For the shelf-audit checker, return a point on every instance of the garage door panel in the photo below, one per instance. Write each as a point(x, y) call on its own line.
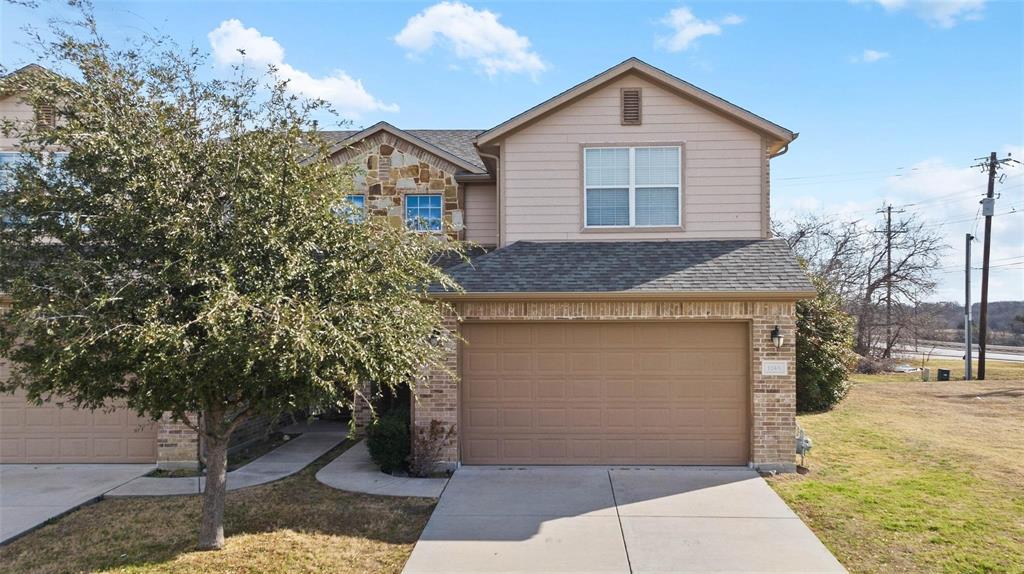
point(552, 419)
point(551, 363)
point(582, 362)
point(612, 393)
point(618, 362)
point(551, 389)
point(515, 389)
point(481, 361)
point(516, 335)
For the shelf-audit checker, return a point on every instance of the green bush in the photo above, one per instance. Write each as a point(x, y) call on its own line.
point(824, 350)
point(387, 438)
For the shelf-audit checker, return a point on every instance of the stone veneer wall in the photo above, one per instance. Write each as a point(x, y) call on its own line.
point(389, 168)
point(773, 398)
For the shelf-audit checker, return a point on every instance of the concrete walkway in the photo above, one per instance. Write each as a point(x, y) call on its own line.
point(31, 494)
point(355, 472)
point(291, 457)
point(610, 519)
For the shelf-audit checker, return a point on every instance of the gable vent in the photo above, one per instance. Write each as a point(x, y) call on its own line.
point(631, 106)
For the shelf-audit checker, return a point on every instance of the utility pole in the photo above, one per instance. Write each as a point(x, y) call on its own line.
point(967, 310)
point(888, 278)
point(991, 164)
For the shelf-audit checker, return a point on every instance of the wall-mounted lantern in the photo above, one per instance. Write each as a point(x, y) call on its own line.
point(777, 337)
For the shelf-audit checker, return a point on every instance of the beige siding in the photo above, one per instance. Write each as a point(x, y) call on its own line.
point(723, 178)
point(14, 109)
point(481, 213)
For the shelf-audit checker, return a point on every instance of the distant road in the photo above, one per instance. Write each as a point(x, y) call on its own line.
point(947, 349)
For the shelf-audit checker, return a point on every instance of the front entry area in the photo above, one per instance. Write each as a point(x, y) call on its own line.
point(606, 392)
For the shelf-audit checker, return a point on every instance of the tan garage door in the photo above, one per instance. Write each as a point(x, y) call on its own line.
point(48, 434)
point(605, 393)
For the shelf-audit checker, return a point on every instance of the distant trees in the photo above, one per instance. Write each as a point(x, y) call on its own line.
point(851, 258)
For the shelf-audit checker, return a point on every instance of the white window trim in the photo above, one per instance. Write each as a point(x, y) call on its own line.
point(633, 187)
point(405, 212)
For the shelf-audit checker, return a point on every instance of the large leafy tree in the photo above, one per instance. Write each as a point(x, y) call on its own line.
point(189, 254)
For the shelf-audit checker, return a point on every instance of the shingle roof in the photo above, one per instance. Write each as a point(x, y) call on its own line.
point(456, 142)
point(635, 266)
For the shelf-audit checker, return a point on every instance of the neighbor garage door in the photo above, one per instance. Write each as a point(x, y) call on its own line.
point(605, 393)
point(49, 434)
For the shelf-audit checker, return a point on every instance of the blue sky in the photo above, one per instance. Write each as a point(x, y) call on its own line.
point(893, 99)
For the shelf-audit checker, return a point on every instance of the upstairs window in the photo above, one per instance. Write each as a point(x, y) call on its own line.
point(632, 186)
point(423, 212)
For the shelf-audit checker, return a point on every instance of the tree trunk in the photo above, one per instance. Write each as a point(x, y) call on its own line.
point(211, 531)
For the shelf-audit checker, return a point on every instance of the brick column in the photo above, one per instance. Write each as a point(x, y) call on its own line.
point(177, 446)
point(362, 409)
point(774, 396)
point(436, 397)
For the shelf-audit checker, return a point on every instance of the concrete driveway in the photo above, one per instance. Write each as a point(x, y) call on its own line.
point(611, 519)
point(31, 494)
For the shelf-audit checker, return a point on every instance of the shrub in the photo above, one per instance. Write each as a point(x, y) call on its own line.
point(387, 438)
point(428, 446)
point(824, 343)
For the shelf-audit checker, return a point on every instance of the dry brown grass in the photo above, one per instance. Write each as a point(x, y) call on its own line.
point(918, 477)
point(994, 371)
point(294, 525)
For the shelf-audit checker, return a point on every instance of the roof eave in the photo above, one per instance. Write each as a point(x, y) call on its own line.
point(784, 296)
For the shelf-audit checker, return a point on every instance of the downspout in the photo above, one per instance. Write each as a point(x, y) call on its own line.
point(497, 192)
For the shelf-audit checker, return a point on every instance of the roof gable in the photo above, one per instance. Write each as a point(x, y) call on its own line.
point(657, 76)
point(452, 146)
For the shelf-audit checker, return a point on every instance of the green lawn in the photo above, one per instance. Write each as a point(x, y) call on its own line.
point(918, 477)
point(293, 525)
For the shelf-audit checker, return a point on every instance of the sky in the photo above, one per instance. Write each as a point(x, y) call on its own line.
point(893, 99)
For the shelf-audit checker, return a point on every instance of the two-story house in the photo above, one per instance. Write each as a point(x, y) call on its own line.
point(634, 308)
point(631, 307)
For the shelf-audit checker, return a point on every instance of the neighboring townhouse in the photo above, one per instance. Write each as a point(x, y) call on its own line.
point(50, 433)
point(625, 304)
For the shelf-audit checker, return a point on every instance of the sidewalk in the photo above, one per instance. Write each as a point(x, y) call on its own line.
point(316, 440)
point(355, 472)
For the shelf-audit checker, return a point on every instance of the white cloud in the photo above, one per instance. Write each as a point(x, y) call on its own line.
point(687, 28)
point(345, 93)
point(471, 34)
point(869, 57)
point(940, 13)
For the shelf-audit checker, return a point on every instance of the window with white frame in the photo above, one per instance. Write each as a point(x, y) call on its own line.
point(423, 212)
point(632, 186)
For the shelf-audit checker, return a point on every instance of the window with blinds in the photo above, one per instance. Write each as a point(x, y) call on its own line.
point(632, 186)
point(631, 106)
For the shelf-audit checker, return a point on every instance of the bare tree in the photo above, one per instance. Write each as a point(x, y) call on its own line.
point(851, 257)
